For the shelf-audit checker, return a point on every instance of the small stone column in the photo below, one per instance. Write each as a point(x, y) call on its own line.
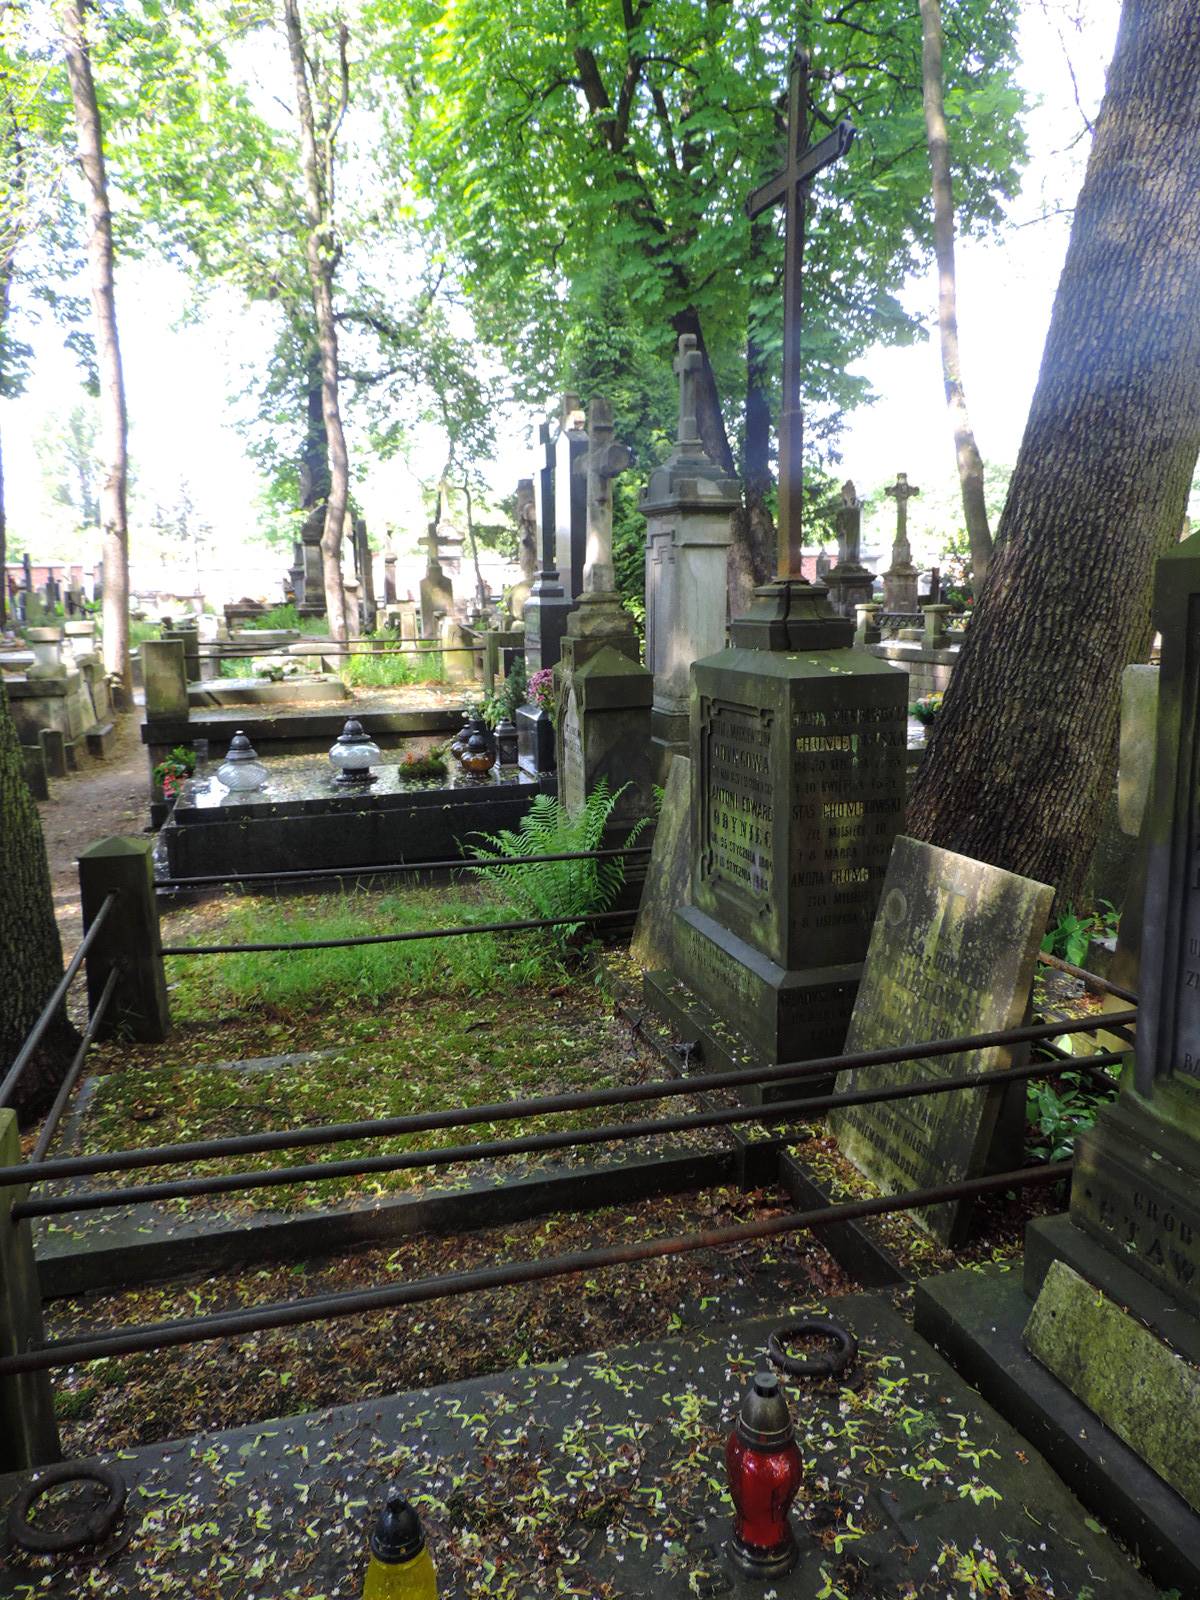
point(165, 679)
point(867, 630)
point(688, 505)
point(936, 637)
point(130, 939)
point(28, 1431)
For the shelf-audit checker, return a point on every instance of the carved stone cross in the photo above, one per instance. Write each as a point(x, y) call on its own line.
point(604, 461)
point(792, 186)
point(688, 364)
point(901, 492)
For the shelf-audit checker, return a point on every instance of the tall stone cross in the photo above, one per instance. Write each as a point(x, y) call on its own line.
point(901, 492)
point(791, 186)
point(688, 364)
point(604, 461)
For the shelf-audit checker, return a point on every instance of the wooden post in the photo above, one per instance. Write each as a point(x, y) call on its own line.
point(28, 1431)
point(130, 939)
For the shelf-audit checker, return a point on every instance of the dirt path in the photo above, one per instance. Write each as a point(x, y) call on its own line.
point(102, 798)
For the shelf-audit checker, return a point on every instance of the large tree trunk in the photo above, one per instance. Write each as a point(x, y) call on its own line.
point(113, 423)
point(322, 253)
point(6, 271)
point(314, 452)
point(1022, 760)
point(30, 950)
point(970, 463)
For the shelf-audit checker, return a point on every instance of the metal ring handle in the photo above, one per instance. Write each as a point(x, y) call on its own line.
point(828, 1363)
point(92, 1529)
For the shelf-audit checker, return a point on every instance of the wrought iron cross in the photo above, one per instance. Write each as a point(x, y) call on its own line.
point(791, 186)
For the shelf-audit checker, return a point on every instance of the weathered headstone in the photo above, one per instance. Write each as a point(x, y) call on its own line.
point(688, 506)
point(952, 952)
point(389, 579)
point(605, 692)
point(526, 517)
point(437, 596)
point(900, 580)
point(850, 583)
point(313, 603)
point(549, 604)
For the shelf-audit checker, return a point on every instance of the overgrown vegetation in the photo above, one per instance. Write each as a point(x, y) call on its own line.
point(287, 616)
point(372, 670)
point(1059, 1109)
point(557, 888)
point(358, 974)
point(1071, 935)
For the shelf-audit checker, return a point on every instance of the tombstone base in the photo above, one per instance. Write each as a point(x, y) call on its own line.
point(670, 733)
point(1136, 1189)
point(850, 586)
point(545, 617)
point(768, 1015)
point(976, 1317)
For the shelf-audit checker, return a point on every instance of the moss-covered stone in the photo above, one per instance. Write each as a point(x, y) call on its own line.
point(1135, 1383)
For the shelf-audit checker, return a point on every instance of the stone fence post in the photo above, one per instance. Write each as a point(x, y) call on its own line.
point(130, 939)
point(28, 1431)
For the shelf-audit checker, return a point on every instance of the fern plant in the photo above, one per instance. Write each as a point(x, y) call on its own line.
point(557, 888)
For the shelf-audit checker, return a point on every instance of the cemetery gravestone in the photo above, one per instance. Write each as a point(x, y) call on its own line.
point(605, 692)
point(900, 580)
point(313, 586)
point(798, 748)
point(437, 596)
point(549, 604)
point(850, 583)
point(570, 496)
point(952, 952)
point(688, 507)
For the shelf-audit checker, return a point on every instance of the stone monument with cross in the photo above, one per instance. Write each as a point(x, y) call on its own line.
point(850, 583)
point(900, 580)
point(437, 592)
point(688, 505)
point(798, 750)
point(605, 692)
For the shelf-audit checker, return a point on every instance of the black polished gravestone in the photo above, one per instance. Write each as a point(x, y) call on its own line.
point(1113, 1342)
point(952, 952)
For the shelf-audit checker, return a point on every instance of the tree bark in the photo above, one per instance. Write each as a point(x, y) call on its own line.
point(321, 252)
point(970, 463)
point(30, 949)
point(1023, 756)
point(113, 420)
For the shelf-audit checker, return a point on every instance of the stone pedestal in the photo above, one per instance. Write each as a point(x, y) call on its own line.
point(798, 749)
point(850, 585)
point(866, 629)
point(900, 588)
point(688, 505)
point(165, 680)
point(313, 587)
point(936, 637)
point(604, 712)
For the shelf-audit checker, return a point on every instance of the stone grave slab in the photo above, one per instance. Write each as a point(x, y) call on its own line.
point(617, 1456)
point(952, 952)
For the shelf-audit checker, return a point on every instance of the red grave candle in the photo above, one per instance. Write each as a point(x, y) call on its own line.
point(764, 1469)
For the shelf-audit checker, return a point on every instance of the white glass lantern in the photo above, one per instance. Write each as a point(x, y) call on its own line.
point(352, 754)
point(241, 771)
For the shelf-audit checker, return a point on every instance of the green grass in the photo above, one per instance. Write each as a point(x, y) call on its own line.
point(235, 667)
point(361, 974)
point(286, 616)
point(139, 632)
point(370, 671)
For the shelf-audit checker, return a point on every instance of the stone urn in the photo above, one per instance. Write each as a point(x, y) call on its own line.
point(46, 644)
point(81, 638)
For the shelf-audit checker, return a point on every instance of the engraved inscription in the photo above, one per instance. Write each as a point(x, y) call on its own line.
point(738, 812)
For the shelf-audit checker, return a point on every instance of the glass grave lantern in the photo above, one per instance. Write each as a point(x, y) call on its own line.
point(765, 1470)
point(351, 755)
point(241, 771)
